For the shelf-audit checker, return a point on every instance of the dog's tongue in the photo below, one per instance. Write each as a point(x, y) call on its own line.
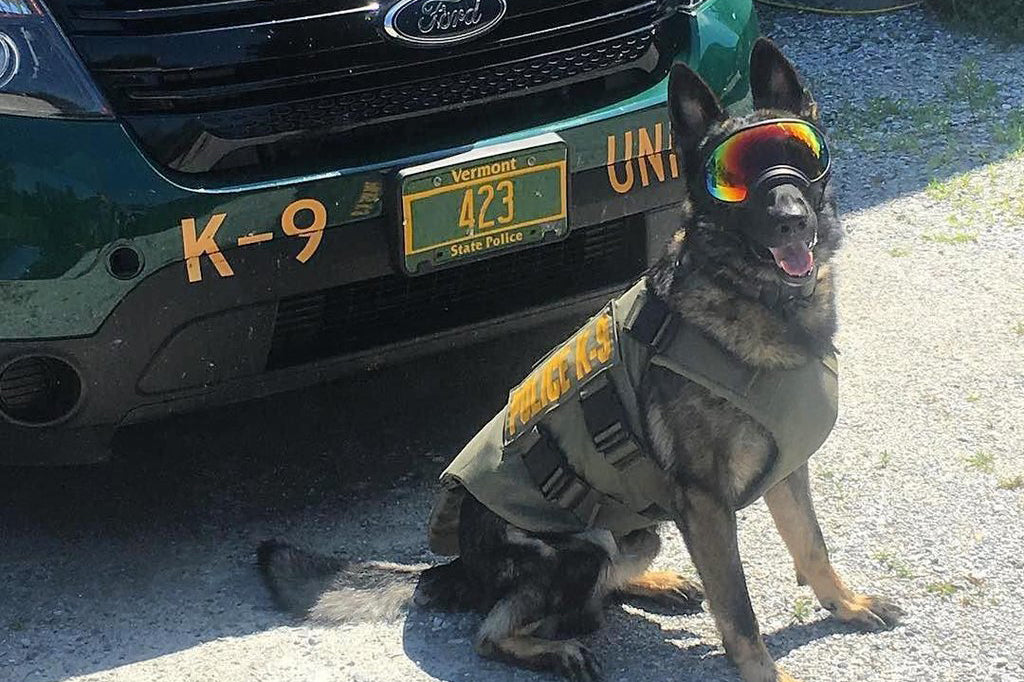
point(796, 260)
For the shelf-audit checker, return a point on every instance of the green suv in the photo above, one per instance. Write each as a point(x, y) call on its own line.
point(203, 201)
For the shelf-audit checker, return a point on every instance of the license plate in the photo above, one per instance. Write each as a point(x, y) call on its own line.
point(484, 203)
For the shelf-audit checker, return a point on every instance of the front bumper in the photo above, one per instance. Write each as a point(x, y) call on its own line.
point(187, 333)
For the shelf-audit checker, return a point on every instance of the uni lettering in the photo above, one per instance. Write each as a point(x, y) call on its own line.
point(644, 154)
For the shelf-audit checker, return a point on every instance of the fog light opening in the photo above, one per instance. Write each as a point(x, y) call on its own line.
point(124, 262)
point(39, 390)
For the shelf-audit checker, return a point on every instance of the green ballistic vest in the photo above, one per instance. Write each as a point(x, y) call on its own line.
point(568, 452)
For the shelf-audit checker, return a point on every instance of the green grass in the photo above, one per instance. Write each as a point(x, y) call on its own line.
point(893, 565)
point(803, 609)
point(942, 588)
point(1012, 483)
point(930, 115)
point(996, 18)
point(880, 109)
point(981, 461)
point(908, 144)
point(958, 237)
point(941, 159)
point(970, 86)
point(979, 198)
point(941, 190)
point(856, 122)
point(1009, 130)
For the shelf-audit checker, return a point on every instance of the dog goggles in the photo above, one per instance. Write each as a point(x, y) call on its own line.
point(738, 163)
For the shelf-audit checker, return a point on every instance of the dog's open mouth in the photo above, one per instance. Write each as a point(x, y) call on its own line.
point(796, 260)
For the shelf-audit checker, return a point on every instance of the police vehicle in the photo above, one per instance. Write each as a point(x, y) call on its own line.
point(203, 201)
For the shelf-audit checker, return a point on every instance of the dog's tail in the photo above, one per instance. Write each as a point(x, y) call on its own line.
point(332, 590)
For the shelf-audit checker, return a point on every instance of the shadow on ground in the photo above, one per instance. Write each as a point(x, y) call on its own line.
point(652, 652)
point(151, 553)
point(907, 102)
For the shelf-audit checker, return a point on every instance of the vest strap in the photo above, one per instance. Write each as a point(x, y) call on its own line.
point(607, 422)
point(557, 481)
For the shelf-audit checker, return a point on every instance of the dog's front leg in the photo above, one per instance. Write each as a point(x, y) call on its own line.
point(709, 528)
point(791, 507)
point(517, 631)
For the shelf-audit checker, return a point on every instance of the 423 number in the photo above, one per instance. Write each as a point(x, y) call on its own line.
point(473, 220)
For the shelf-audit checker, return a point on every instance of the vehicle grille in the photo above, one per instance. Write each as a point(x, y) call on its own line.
point(37, 390)
point(24, 384)
point(367, 314)
point(199, 82)
point(354, 109)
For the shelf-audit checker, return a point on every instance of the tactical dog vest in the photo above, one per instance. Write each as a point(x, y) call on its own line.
point(568, 452)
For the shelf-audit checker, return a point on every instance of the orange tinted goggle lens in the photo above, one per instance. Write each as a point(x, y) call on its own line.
point(743, 157)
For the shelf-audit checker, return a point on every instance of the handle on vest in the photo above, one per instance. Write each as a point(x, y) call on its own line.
point(606, 421)
point(649, 321)
point(557, 481)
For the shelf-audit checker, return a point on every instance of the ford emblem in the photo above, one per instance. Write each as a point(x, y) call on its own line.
point(437, 23)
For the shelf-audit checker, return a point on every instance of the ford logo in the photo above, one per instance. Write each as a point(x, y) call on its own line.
point(437, 23)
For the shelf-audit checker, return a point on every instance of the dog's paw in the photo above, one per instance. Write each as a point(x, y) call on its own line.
point(576, 662)
point(666, 589)
point(868, 613)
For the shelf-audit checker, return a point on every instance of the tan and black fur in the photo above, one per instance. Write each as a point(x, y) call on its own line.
point(541, 591)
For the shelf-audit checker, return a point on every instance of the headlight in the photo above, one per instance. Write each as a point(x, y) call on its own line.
point(39, 73)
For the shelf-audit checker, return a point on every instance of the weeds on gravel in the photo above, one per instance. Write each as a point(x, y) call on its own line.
point(1013, 483)
point(945, 189)
point(907, 144)
point(931, 115)
point(893, 565)
point(958, 237)
point(970, 86)
point(983, 196)
point(1010, 130)
point(855, 122)
point(899, 251)
point(972, 397)
point(1019, 329)
point(939, 146)
point(884, 460)
point(803, 609)
point(942, 588)
point(941, 159)
point(880, 109)
point(982, 461)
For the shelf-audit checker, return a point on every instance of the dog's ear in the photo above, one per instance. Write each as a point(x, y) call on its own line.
point(692, 107)
point(775, 84)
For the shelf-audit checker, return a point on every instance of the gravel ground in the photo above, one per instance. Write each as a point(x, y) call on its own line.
point(143, 570)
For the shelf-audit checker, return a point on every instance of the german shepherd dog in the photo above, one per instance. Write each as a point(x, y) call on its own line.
point(541, 590)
